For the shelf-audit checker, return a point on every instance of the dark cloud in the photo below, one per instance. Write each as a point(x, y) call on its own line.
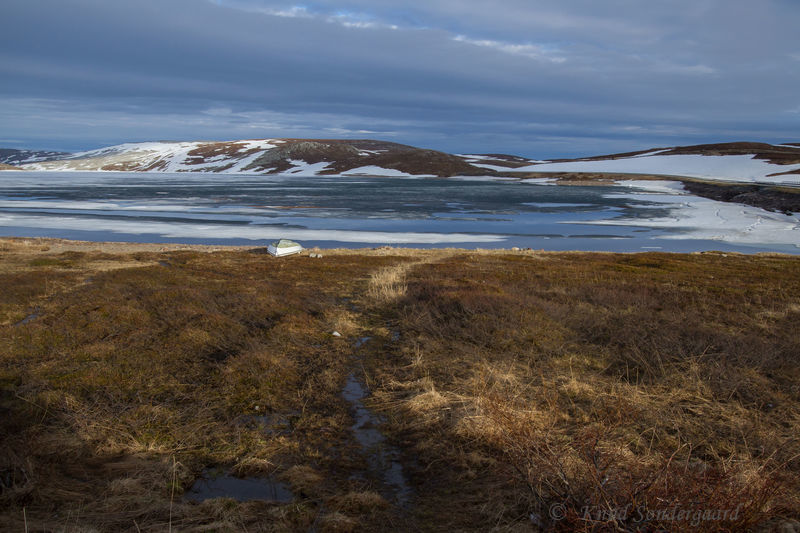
point(531, 77)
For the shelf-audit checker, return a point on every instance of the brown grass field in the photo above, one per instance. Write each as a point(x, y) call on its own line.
point(521, 391)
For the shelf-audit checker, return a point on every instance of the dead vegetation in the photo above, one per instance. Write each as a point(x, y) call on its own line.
point(233, 149)
point(388, 284)
point(780, 199)
point(599, 392)
point(344, 155)
point(125, 387)
point(585, 392)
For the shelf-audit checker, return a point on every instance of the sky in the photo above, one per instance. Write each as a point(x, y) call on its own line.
point(537, 78)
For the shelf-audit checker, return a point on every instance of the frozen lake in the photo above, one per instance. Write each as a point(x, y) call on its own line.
point(362, 211)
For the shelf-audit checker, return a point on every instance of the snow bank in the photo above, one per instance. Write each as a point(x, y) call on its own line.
point(372, 170)
point(741, 168)
point(702, 218)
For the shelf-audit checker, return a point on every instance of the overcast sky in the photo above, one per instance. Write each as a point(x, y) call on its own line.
point(540, 78)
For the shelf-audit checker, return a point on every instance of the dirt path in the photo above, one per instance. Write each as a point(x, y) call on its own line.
point(384, 461)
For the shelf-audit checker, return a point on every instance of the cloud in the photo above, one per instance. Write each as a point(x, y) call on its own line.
point(346, 19)
point(531, 51)
point(671, 68)
point(292, 12)
point(45, 119)
point(456, 75)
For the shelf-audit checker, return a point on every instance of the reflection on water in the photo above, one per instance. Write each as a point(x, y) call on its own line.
point(214, 483)
point(383, 459)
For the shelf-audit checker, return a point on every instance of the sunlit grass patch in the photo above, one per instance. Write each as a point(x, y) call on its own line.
point(597, 379)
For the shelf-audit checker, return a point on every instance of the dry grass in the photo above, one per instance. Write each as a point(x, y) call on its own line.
point(597, 383)
point(131, 368)
point(388, 284)
point(513, 383)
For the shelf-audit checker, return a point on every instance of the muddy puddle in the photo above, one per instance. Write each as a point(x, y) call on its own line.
point(29, 318)
point(216, 483)
point(383, 459)
point(361, 342)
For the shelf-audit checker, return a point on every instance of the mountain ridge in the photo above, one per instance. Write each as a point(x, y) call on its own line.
point(267, 156)
point(14, 156)
point(738, 161)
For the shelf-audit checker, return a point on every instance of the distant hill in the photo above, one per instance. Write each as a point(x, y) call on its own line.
point(11, 156)
point(739, 161)
point(269, 156)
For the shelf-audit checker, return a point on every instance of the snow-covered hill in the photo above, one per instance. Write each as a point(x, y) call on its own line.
point(739, 162)
point(163, 157)
point(12, 156)
point(267, 156)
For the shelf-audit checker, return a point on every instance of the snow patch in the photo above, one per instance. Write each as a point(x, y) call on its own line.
point(301, 168)
point(739, 168)
point(708, 219)
point(372, 170)
point(657, 186)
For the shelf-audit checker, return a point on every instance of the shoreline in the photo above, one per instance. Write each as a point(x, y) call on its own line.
point(52, 245)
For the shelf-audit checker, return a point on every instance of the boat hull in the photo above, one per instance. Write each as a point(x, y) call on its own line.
point(279, 252)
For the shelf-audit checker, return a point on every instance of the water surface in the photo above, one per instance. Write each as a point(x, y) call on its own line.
point(343, 211)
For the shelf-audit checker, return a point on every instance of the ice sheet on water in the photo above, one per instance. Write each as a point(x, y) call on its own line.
point(702, 218)
point(226, 231)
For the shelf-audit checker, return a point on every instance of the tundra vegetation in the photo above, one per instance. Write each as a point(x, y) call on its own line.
point(525, 390)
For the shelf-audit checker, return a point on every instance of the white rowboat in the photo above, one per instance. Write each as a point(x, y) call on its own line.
point(284, 247)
